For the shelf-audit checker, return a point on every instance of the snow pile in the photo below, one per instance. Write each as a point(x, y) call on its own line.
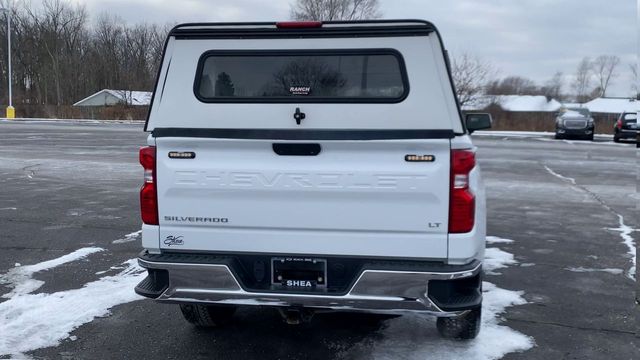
point(19, 278)
point(497, 240)
point(497, 259)
point(33, 321)
point(128, 238)
point(415, 336)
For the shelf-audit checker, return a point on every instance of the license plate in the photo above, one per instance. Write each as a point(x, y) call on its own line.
point(299, 272)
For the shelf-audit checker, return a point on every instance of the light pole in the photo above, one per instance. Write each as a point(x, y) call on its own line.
point(11, 111)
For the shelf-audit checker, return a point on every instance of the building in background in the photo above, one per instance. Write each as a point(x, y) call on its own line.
point(108, 97)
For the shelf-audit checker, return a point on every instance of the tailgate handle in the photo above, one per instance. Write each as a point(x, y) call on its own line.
point(296, 149)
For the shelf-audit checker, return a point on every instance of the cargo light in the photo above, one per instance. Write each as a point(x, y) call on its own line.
point(462, 202)
point(148, 192)
point(298, 24)
point(419, 158)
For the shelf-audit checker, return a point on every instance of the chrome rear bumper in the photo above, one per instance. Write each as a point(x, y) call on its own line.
point(374, 290)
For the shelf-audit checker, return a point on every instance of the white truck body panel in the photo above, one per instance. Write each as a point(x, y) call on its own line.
point(312, 166)
point(355, 198)
point(430, 103)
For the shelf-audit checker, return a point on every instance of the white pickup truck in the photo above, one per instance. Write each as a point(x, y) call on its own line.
point(310, 167)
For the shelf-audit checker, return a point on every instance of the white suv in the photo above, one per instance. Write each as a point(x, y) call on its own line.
point(312, 166)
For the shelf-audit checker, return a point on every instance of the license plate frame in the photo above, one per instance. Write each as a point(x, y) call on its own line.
point(298, 272)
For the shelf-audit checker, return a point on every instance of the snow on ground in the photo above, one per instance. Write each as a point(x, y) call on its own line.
point(415, 336)
point(20, 277)
point(497, 240)
point(625, 234)
point(625, 230)
point(564, 178)
point(33, 321)
point(513, 133)
point(128, 238)
point(496, 259)
point(539, 135)
point(587, 270)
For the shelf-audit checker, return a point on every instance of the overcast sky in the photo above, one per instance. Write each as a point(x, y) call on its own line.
point(532, 38)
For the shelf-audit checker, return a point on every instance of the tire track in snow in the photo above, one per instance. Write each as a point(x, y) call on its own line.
point(33, 321)
point(624, 230)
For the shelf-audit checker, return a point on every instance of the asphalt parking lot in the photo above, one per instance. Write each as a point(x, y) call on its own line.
point(563, 214)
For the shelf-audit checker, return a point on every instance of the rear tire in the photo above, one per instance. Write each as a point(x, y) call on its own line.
point(465, 327)
point(558, 136)
point(207, 315)
point(616, 139)
point(590, 137)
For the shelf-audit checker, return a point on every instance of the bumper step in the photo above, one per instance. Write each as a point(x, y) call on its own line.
point(156, 282)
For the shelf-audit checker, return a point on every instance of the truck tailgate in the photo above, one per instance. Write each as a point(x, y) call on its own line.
point(352, 198)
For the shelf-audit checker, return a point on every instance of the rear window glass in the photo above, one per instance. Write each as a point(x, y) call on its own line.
point(631, 116)
point(301, 76)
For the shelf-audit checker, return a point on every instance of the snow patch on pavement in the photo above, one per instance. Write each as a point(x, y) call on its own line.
point(586, 270)
point(20, 277)
point(625, 230)
point(564, 178)
point(513, 133)
point(627, 239)
point(497, 259)
point(128, 238)
point(497, 240)
point(31, 321)
point(415, 336)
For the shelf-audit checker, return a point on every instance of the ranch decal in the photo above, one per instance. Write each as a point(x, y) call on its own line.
point(300, 90)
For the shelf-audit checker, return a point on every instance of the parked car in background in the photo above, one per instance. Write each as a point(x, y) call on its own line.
point(626, 127)
point(574, 122)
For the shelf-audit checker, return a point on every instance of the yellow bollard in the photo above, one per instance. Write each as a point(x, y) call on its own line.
point(11, 112)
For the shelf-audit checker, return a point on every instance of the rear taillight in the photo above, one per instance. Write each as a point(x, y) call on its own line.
point(462, 202)
point(148, 193)
point(619, 124)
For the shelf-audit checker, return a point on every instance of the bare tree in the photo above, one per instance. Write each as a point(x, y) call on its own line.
point(326, 10)
point(604, 67)
point(470, 75)
point(582, 82)
point(552, 89)
point(513, 85)
point(635, 81)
